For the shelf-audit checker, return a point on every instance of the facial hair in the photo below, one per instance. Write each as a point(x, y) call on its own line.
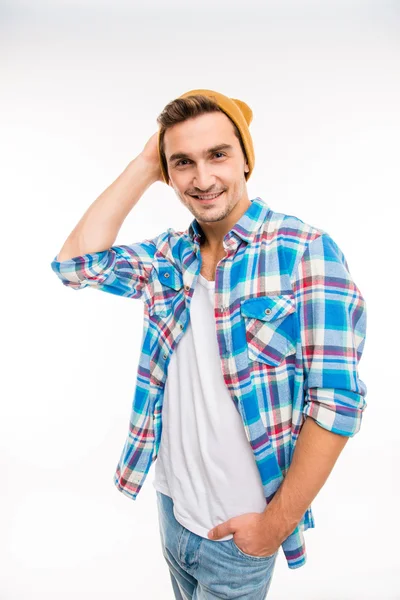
point(205, 215)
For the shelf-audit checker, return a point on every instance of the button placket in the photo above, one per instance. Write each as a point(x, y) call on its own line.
point(227, 339)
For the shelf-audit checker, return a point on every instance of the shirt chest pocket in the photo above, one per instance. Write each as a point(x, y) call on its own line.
point(270, 327)
point(165, 290)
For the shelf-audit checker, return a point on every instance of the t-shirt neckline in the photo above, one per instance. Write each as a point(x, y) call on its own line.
point(206, 282)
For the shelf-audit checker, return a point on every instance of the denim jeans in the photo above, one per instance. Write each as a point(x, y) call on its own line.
point(203, 569)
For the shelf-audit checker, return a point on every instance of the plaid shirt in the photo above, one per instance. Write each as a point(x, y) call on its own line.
point(290, 325)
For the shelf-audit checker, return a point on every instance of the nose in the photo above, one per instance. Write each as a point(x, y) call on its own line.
point(203, 179)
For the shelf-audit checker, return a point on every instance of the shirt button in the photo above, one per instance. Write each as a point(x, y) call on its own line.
point(165, 356)
point(267, 311)
point(187, 287)
point(180, 325)
point(166, 275)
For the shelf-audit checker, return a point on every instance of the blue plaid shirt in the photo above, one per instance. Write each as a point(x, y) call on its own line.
point(290, 326)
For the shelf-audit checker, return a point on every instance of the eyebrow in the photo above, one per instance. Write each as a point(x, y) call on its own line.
point(180, 155)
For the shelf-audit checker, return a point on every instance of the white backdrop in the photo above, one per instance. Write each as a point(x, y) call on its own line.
point(81, 86)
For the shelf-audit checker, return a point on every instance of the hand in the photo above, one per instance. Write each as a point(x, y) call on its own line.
point(150, 155)
point(250, 533)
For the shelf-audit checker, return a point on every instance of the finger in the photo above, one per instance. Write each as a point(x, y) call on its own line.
point(220, 531)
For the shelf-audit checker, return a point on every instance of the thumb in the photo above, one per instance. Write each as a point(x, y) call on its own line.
point(221, 530)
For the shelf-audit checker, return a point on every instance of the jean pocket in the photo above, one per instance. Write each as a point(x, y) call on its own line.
point(250, 556)
point(269, 323)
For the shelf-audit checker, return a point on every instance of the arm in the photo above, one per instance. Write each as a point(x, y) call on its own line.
point(314, 457)
point(99, 226)
point(332, 327)
point(88, 257)
point(315, 454)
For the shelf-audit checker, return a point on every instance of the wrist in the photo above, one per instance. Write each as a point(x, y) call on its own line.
point(279, 518)
point(151, 171)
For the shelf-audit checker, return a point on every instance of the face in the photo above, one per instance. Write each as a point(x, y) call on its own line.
point(205, 157)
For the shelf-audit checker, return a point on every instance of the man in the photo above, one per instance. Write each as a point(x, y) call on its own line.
point(253, 331)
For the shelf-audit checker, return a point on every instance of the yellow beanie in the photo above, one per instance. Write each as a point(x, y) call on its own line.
point(240, 113)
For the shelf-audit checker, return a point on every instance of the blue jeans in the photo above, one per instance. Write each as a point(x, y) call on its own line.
point(203, 569)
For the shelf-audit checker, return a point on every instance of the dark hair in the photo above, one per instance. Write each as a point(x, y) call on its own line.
point(182, 109)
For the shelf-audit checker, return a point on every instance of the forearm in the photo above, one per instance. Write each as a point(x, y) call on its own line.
point(315, 454)
point(99, 226)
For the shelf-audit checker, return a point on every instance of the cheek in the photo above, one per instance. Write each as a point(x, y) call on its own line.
point(180, 183)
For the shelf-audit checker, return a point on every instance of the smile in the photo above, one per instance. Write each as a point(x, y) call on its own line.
point(208, 198)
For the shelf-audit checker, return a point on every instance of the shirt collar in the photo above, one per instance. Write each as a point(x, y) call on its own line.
point(245, 228)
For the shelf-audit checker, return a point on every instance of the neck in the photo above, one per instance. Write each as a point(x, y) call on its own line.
point(214, 232)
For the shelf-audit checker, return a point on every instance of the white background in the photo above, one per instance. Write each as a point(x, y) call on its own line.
point(81, 86)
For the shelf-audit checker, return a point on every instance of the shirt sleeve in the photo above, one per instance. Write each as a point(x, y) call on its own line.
point(122, 270)
point(332, 320)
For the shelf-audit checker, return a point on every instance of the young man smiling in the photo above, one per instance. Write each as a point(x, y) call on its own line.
point(218, 170)
point(253, 331)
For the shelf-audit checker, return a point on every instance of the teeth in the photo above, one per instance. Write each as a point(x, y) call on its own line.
point(209, 197)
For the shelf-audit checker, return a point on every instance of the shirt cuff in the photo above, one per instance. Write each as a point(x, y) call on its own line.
point(338, 411)
point(81, 271)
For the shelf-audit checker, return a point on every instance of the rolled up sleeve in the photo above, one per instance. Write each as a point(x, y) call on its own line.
point(332, 322)
point(122, 270)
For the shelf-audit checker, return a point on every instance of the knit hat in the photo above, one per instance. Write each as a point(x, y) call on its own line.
point(240, 113)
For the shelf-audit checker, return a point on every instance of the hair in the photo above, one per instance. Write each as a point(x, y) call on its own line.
point(182, 109)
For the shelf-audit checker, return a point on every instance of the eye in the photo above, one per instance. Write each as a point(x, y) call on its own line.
point(183, 159)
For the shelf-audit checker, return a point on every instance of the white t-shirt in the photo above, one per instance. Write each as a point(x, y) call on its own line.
point(205, 462)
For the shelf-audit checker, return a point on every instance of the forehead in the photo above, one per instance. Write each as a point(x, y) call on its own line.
point(199, 133)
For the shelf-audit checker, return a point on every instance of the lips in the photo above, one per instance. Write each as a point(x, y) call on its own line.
point(208, 197)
